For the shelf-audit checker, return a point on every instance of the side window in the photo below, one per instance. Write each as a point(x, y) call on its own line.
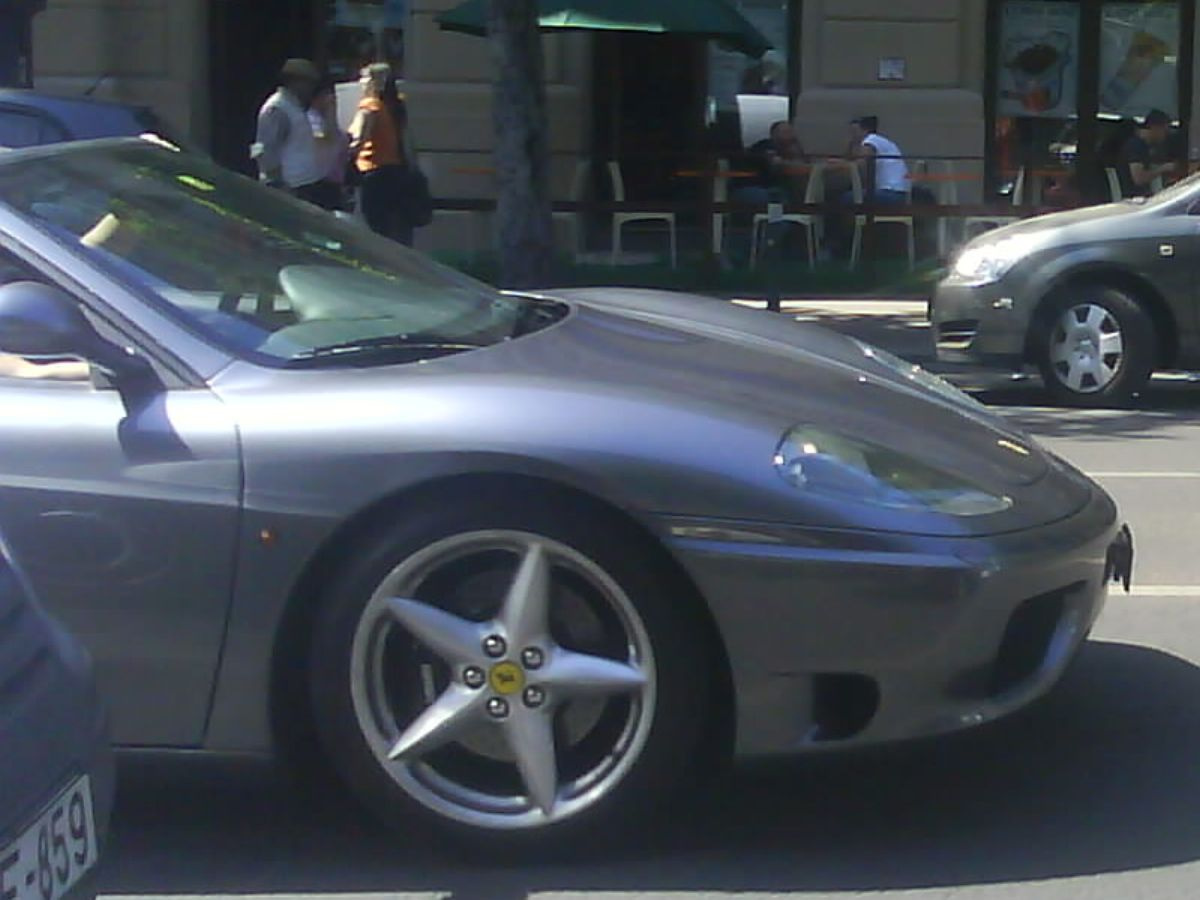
point(19, 130)
point(20, 367)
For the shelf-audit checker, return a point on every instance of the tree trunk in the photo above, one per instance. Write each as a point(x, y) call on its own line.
point(523, 223)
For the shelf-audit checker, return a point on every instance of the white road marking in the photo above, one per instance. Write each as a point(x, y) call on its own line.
point(1144, 474)
point(1160, 590)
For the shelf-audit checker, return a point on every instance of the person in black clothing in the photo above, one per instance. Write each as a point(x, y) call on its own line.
point(775, 161)
point(1138, 166)
point(778, 177)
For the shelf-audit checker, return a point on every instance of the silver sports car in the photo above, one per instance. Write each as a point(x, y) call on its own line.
point(516, 564)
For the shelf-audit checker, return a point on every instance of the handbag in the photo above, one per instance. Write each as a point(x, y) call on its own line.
point(414, 202)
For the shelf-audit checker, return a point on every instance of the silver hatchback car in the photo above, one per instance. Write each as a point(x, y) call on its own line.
point(56, 769)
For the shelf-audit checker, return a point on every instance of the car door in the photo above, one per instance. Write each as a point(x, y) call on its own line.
point(125, 510)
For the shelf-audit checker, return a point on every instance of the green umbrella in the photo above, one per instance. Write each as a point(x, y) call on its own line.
point(718, 20)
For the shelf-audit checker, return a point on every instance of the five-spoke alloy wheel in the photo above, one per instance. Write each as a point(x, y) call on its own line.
point(509, 675)
point(1097, 347)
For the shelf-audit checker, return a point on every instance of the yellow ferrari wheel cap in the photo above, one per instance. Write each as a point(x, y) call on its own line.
point(507, 678)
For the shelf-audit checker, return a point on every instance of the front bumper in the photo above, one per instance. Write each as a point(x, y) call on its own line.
point(840, 638)
point(53, 729)
point(981, 326)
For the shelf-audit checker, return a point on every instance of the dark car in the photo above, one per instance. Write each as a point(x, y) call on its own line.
point(521, 564)
point(1097, 298)
point(56, 771)
point(30, 118)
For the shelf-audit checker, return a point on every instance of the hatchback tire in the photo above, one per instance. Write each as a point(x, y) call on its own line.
point(1095, 346)
point(518, 672)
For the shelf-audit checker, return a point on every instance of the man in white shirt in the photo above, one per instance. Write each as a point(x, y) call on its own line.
point(285, 147)
point(882, 170)
point(881, 163)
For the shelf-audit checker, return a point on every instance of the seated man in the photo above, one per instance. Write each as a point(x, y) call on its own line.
point(779, 165)
point(880, 163)
point(882, 171)
point(1137, 170)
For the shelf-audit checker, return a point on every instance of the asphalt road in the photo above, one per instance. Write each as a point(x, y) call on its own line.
point(1095, 793)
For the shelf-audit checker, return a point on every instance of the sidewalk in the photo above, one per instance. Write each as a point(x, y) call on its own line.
point(898, 325)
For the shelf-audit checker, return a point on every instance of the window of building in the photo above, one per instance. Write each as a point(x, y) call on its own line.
point(755, 92)
point(1070, 79)
point(359, 32)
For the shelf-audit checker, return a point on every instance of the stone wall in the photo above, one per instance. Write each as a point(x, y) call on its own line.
point(152, 52)
point(937, 109)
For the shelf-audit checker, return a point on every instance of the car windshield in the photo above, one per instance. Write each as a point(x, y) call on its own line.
point(258, 272)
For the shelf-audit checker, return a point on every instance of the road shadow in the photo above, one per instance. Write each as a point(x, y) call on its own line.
point(1165, 405)
point(1099, 777)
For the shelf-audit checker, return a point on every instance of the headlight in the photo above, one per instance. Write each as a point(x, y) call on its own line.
point(918, 376)
point(844, 468)
point(990, 262)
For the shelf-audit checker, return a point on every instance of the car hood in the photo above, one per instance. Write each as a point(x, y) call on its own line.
point(681, 403)
point(1058, 221)
point(752, 365)
point(766, 373)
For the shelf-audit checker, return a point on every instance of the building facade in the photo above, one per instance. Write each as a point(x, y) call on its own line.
point(996, 84)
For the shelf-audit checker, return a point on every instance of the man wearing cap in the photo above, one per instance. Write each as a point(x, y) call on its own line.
point(285, 147)
point(1139, 170)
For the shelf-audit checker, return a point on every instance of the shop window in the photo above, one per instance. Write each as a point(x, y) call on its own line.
point(1037, 80)
point(754, 93)
point(1071, 79)
point(359, 32)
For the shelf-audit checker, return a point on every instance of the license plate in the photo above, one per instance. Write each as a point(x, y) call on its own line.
point(54, 852)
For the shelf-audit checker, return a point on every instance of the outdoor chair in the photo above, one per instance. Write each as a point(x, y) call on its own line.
point(720, 195)
point(996, 221)
point(907, 222)
point(1115, 191)
point(813, 193)
point(947, 195)
point(860, 220)
point(573, 219)
point(622, 219)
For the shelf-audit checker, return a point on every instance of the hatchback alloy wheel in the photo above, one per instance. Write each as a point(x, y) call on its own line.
point(1087, 348)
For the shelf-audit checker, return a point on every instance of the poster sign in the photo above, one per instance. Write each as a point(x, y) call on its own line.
point(1039, 59)
point(1139, 58)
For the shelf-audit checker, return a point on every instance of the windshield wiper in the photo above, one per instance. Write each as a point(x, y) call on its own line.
point(386, 344)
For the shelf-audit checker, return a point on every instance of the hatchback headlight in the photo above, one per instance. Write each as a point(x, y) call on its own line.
point(844, 468)
point(989, 262)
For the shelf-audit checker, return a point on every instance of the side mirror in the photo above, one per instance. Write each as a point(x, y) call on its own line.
point(40, 320)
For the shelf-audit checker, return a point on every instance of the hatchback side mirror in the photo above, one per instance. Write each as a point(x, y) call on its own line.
point(40, 320)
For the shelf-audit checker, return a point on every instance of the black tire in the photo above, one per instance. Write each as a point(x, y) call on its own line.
point(678, 635)
point(1139, 346)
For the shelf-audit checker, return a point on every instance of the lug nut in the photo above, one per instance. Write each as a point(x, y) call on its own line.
point(532, 658)
point(494, 646)
point(474, 678)
point(534, 696)
point(497, 708)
